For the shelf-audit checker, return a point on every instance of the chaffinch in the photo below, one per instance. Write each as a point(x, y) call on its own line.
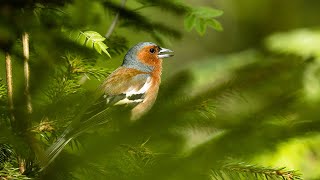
point(135, 82)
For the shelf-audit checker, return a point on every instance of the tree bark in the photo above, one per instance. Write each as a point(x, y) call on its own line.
point(25, 44)
point(10, 87)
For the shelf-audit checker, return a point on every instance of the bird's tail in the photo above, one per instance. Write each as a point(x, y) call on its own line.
point(54, 150)
point(72, 132)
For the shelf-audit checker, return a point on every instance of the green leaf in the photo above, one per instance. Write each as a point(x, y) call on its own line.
point(95, 40)
point(89, 43)
point(201, 26)
point(102, 45)
point(91, 33)
point(215, 24)
point(97, 48)
point(106, 52)
point(90, 39)
point(104, 48)
point(189, 22)
point(202, 17)
point(94, 36)
point(74, 35)
point(207, 13)
point(81, 39)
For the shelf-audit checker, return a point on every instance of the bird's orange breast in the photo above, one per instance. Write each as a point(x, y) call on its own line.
point(150, 95)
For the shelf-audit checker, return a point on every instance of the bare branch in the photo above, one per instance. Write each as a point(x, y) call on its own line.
point(115, 21)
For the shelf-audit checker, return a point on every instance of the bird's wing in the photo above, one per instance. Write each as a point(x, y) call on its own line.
point(123, 86)
point(126, 86)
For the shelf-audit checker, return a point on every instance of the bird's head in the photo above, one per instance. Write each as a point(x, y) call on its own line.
point(145, 56)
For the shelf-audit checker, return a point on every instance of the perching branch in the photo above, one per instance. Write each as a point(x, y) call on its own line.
point(9, 86)
point(115, 21)
point(25, 44)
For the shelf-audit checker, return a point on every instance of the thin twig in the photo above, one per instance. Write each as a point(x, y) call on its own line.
point(9, 87)
point(115, 21)
point(25, 44)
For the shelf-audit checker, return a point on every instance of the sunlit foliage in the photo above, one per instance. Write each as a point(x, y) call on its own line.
point(220, 117)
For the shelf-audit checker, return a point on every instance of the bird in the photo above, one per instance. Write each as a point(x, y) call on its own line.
point(136, 83)
point(137, 80)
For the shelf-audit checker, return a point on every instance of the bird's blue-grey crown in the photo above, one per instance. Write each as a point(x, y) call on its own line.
point(131, 61)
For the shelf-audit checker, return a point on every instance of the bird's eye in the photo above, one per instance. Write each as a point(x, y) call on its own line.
point(152, 50)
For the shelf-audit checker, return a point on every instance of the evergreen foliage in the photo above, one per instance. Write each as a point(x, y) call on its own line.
point(242, 170)
point(195, 125)
point(2, 90)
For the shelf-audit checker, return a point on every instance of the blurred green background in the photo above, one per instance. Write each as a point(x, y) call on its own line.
point(247, 25)
point(250, 92)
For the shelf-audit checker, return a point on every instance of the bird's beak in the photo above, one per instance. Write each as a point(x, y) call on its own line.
point(165, 53)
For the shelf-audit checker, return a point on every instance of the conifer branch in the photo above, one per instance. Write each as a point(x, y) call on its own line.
point(3, 90)
point(239, 170)
point(115, 21)
point(9, 172)
point(9, 87)
point(25, 44)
